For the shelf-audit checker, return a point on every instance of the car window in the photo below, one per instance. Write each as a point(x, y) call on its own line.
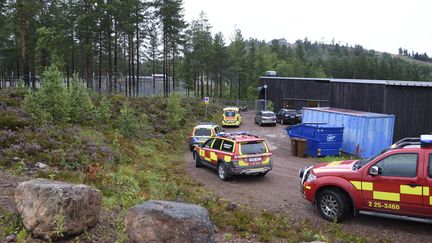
point(208, 143)
point(292, 113)
point(227, 146)
point(268, 114)
point(230, 114)
point(400, 165)
point(217, 144)
point(202, 132)
point(282, 112)
point(257, 147)
point(430, 165)
point(218, 130)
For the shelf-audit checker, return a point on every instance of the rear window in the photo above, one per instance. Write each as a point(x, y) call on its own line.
point(230, 113)
point(268, 114)
point(292, 112)
point(202, 132)
point(253, 148)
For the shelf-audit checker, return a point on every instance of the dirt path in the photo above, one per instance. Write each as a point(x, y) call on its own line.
point(279, 190)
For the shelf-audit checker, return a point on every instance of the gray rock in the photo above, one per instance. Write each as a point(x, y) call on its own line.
point(52, 209)
point(10, 238)
point(162, 221)
point(41, 166)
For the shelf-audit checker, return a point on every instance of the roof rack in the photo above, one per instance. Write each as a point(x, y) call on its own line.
point(233, 135)
point(406, 142)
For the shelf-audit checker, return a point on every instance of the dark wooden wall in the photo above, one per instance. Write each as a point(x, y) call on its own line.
point(412, 106)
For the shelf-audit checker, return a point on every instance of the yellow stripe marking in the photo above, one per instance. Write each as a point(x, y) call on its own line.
point(386, 196)
point(336, 163)
point(207, 159)
point(367, 186)
point(425, 191)
point(202, 153)
point(227, 158)
point(430, 200)
point(357, 184)
point(213, 156)
point(404, 189)
point(242, 163)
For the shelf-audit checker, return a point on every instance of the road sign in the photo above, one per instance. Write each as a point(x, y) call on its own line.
point(206, 100)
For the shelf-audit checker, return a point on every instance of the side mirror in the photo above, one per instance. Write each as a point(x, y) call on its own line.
point(374, 170)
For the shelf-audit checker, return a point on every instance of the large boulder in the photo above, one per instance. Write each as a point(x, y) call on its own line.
point(52, 209)
point(162, 221)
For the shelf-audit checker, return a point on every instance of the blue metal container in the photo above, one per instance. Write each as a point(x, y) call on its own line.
point(322, 139)
point(365, 134)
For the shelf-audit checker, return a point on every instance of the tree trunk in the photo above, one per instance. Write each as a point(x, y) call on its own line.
point(132, 87)
point(100, 60)
point(137, 60)
point(115, 55)
point(23, 42)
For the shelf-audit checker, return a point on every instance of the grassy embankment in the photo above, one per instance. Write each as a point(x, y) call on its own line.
point(132, 150)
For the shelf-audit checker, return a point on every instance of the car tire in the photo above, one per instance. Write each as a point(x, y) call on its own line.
point(274, 124)
point(332, 205)
point(191, 148)
point(223, 172)
point(197, 160)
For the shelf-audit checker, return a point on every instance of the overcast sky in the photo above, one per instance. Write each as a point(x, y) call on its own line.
point(382, 25)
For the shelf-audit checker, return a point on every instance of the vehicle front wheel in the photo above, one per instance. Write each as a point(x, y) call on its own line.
point(332, 205)
point(223, 172)
point(197, 160)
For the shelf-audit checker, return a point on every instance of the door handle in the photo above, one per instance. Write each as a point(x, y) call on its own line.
point(413, 185)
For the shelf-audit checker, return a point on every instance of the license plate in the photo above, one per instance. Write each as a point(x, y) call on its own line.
point(254, 159)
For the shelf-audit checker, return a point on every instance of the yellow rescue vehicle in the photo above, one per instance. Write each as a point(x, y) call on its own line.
point(231, 117)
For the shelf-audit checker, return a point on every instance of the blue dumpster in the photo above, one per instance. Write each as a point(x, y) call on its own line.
point(322, 139)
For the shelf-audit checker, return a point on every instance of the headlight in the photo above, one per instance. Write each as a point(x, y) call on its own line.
point(311, 177)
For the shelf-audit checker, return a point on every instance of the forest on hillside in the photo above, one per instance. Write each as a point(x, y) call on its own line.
point(125, 40)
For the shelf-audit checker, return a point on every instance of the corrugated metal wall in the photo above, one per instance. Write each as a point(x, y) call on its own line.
point(278, 89)
point(364, 135)
point(354, 96)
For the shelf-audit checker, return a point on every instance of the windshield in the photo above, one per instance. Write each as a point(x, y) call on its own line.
point(253, 148)
point(202, 132)
point(230, 113)
point(268, 114)
point(360, 163)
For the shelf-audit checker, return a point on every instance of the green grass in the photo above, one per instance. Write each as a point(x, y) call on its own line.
point(337, 158)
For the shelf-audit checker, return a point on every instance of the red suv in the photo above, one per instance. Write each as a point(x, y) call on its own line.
point(234, 154)
point(398, 181)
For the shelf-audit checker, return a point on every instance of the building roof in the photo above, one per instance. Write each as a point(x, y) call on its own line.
point(348, 112)
point(359, 81)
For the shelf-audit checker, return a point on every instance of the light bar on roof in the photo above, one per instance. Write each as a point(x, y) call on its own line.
point(426, 139)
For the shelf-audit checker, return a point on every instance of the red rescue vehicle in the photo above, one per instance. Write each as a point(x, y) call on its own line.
point(396, 182)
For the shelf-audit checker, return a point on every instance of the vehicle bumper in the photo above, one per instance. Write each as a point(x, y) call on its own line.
point(307, 189)
point(268, 121)
point(290, 120)
point(250, 170)
point(230, 123)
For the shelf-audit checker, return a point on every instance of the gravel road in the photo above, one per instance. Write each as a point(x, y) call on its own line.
point(279, 190)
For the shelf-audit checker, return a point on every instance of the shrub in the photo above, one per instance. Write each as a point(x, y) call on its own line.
point(175, 112)
point(81, 105)
point(104, 110)
point(128, 123)
point(50, 102)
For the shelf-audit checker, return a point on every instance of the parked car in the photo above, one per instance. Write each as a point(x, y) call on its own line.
point(234, 154)
point(202, 133)
point(265, 117)
point(288, 116)
point(231, 117)
point(397, 182)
